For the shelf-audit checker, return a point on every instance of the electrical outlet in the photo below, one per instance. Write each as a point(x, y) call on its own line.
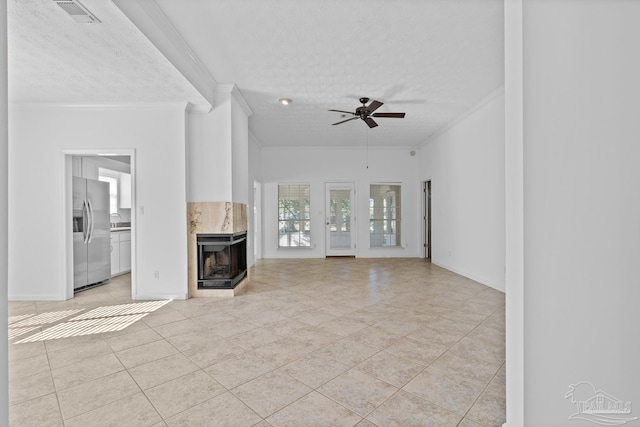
point(156, 275)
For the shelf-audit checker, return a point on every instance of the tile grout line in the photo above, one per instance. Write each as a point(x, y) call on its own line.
point(386, 300)
point(483, 390)
point(431, 363)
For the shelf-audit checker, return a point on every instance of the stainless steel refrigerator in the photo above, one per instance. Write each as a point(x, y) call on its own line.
point(91, 232)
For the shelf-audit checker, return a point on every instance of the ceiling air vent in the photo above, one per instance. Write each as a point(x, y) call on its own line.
point(78, 12)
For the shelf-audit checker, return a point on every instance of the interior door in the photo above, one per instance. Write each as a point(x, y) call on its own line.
point(340, 219)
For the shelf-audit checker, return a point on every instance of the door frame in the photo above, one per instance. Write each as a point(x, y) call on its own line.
point(67, 194)
point(427, 231)
point(352, 251)
point(257, 220)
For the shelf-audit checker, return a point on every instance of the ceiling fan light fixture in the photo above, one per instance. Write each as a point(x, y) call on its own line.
point(285, 101)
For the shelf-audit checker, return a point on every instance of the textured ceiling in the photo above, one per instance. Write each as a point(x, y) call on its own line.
point(433, 59)
point(53, 59)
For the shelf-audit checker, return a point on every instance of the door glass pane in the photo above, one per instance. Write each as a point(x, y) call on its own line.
point(339, 218)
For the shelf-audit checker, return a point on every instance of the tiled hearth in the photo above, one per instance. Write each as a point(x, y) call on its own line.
point(212, 218)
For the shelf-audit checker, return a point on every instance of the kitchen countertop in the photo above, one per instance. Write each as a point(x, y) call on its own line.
point(121, 229)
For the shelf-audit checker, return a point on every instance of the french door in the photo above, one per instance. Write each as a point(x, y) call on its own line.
point(340, 219)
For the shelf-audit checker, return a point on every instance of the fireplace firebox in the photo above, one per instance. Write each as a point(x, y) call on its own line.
point(222, 260)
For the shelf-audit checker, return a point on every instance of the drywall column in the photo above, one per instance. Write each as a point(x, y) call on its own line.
point(514, 213)
point(209, 155)
point(4, 208)
point(217, 176)
point(218, 150)
point(582, 207)
point(254, 217)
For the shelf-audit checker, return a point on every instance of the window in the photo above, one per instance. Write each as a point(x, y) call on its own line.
point(104, 176)
point(293, 216)
point(384, 215)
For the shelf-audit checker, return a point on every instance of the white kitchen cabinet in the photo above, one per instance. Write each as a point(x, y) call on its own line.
point(85, 167)
point(115, 254)
point(90, 168)
point(125, 251)
point(120, 252)
point(124, 191)
point(76, 166)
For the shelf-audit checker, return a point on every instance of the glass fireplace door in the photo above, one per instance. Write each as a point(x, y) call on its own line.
point(222, 260)
point(216, 262)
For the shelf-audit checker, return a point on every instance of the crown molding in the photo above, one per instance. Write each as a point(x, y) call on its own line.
point(197, 108)
point(337, 148)
point(152, 22)
point(105, 105)
point(487, 99)
point(237, 95)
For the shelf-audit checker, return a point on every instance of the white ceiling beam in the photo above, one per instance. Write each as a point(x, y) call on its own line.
point(152, 22)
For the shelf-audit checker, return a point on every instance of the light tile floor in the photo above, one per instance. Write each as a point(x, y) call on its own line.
point(323, 342)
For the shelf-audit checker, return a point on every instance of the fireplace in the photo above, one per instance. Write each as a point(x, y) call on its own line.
point(222, 260)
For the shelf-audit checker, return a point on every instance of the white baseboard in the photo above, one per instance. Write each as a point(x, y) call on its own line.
point(140, 297)
point(36, 298)
point(149, 297)
point(471, 276)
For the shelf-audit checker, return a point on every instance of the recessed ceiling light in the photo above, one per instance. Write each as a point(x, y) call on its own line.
point(285, 101)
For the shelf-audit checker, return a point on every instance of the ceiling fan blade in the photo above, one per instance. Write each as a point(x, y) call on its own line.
point(374, 106)
point(370, 122)
point(348, 120)
point(390, 115)
point(341, 111)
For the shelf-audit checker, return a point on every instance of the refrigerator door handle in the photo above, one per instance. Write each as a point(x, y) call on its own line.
point(85, 222)
point(90, 221)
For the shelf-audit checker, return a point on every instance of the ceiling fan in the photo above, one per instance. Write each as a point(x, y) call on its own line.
point(366, 112)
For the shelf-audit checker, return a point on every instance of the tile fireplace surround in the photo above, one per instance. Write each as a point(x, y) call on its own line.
point(212, 218)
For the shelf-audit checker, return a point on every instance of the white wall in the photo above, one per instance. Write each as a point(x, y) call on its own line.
point(317, 166)
point(514, 213)
point(209, 139)
point(37, 137)
point(466, 167)
point(582, 203)
point(4, 395)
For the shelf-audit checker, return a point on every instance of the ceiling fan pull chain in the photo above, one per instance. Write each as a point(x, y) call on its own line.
point(367, 148)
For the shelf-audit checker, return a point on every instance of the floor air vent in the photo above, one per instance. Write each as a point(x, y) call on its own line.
point(78, 12)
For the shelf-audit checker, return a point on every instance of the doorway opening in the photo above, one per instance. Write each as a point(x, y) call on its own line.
point(426, 216)
point(115, 171)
